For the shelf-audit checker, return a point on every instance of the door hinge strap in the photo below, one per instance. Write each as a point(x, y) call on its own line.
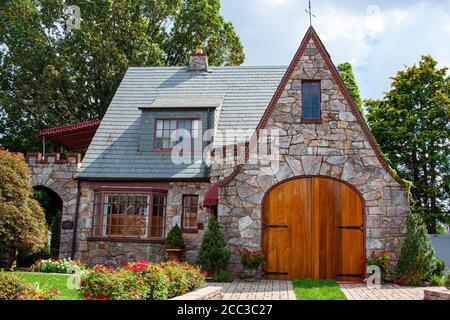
point(275, 226)
point(352, 275)
point(360, 228)
point(275, 273)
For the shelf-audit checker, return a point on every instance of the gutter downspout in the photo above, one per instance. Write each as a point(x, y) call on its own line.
point(75, 222)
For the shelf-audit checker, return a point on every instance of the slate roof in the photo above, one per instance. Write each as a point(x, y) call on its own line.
point(114, 152)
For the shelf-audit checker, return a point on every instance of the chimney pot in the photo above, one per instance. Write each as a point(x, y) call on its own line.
point(198, 61)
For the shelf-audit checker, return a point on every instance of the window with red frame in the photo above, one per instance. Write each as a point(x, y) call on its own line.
point(123, 215)
point(311, 100)
point(190, 212)
point(170, 132)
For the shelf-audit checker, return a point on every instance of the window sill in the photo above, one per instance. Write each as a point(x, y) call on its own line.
point(311, 121)
point(125, 239)
point(191, 231)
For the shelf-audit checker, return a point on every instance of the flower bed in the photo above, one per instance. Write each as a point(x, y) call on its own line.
point(56, 266)
point(40, 295)
point(141, 281)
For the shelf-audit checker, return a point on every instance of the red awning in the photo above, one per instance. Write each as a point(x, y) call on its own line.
point(211, 196)
point(72, 136)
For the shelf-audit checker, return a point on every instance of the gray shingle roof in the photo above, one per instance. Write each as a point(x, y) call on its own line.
point(115, 151)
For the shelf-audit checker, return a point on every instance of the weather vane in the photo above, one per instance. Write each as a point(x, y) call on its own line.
point(309, 11)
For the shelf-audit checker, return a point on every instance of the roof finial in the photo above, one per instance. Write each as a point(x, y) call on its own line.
point(309, 11)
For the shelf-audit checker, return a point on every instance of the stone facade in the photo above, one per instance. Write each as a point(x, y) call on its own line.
point(114, 253)
point(174, 209)
point(58, 175)
point(339, 146)
point(336, 147)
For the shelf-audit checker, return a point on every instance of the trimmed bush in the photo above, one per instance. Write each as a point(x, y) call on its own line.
point(174, 238)
point(141, 281)
point(12, 287)
point(436, 281)
point(56, 266)
point(417, 260)
point(22, 220)
point(447, 281)
point(439, 268)
point(222, 276)
point(213, 257)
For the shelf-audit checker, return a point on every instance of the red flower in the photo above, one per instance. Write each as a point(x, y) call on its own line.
point(205, 274)
point(376, 260)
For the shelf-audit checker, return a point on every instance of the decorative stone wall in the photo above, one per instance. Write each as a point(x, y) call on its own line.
point(58, 175)
point(337, 147)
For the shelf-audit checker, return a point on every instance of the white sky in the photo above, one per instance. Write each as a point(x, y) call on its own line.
point(378, 37)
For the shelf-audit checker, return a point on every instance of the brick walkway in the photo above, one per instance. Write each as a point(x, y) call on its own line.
point(386, 292)
point(259, 290)
point(282, 290)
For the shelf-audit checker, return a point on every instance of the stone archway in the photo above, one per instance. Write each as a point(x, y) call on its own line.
point(52, 205)
point(59, 176)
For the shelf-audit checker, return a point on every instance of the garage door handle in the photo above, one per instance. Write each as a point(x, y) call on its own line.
point(275, 226)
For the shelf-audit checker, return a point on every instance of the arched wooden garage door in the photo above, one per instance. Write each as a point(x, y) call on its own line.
point(313, 228)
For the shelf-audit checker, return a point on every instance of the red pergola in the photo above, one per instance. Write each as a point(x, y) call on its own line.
point(72, 136)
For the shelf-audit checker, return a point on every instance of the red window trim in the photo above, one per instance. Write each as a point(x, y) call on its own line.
point(183, 228)
point(148, 238)
point(313, 120)
point(155, 149)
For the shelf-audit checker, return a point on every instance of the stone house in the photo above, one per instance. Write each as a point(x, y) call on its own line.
point(325, 198)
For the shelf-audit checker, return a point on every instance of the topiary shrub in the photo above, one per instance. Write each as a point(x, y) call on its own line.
point(22, 220)
point(12, 287)
point(416, 261)
point(212, 256)
point(174, 239)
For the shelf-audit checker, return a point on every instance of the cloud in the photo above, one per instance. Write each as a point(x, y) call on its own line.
point(378, 37)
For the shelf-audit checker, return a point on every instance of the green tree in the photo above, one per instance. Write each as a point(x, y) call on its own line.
point(348, 77)
point(412, 127)
point(213, 256)
point(51, 75)
point(416, 261)
point(22, 220)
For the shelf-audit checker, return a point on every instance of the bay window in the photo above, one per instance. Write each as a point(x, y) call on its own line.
point(129, 215)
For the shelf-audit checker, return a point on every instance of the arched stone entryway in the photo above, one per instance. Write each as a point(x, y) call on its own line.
point(58, 176)
point(52, 205)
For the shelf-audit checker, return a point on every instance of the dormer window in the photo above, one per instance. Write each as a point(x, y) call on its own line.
point(311, 101)
point(170, 132)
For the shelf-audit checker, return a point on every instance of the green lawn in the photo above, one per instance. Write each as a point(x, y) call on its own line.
point(311, 289)
point(51, 282)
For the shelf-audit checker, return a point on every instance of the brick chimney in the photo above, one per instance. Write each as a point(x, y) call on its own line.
point(198, 61)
